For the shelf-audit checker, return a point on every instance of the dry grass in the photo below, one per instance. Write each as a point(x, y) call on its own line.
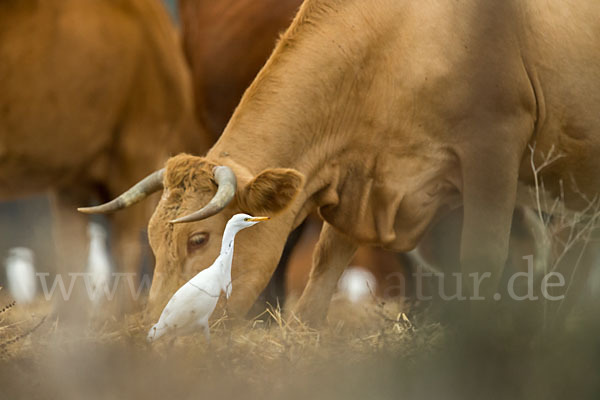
point(369, 351)
point(257, 358)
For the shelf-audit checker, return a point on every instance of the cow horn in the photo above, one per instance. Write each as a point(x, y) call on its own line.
point(150, 184)
point(227, 184)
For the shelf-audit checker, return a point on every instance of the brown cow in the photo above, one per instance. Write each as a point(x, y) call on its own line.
point(384, 118)
point(241, 34)
point(88, 90)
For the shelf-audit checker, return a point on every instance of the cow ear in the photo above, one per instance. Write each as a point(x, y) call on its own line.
point(271, 191)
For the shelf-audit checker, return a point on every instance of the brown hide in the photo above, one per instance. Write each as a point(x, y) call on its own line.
point(95, 95)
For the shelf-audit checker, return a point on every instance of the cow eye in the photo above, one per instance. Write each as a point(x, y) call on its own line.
point(196, 241)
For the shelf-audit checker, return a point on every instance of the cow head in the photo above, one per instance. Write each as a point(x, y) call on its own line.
point(186, 228)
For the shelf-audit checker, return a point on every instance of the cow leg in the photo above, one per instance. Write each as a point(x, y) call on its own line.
point(486, 233)
point(71, 241)
point(206, 329)
point(126, 244)
point(490, 178)
point(331, 256)
point(438, 253)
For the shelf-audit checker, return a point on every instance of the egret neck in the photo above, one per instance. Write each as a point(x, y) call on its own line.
point(226, 255)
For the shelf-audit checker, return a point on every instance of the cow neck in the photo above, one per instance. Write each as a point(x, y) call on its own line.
point(301, 111)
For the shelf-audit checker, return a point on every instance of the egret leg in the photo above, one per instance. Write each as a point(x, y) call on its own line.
point(171, 340)
point(331, 256)
point(206, 330)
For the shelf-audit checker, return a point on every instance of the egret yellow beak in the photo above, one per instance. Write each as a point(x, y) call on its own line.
point(258, 219)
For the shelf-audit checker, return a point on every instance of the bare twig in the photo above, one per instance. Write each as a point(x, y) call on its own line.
point(558, 221)
point(21, 336)
point(8, 307)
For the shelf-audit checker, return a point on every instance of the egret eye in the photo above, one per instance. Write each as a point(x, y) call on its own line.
point(246, 219)
point(196, 241)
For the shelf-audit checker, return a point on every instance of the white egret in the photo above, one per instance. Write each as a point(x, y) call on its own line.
point(356, 283)
point(99, 266)
point(193, 303)
point(20, 274)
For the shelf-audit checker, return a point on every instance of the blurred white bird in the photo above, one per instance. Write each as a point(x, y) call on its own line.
point(192, 305)
point(20, 274)
point(356, 283)
point(98, 265)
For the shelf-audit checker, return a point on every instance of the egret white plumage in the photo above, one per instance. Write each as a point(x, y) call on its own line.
point(356, 283)
point(20, 273)
point(193, 303)
point(99, 265)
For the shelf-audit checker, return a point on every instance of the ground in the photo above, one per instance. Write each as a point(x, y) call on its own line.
point(371, 350)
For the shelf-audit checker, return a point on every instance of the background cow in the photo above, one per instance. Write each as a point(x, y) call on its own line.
point(88, 90)
point(226, 43)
